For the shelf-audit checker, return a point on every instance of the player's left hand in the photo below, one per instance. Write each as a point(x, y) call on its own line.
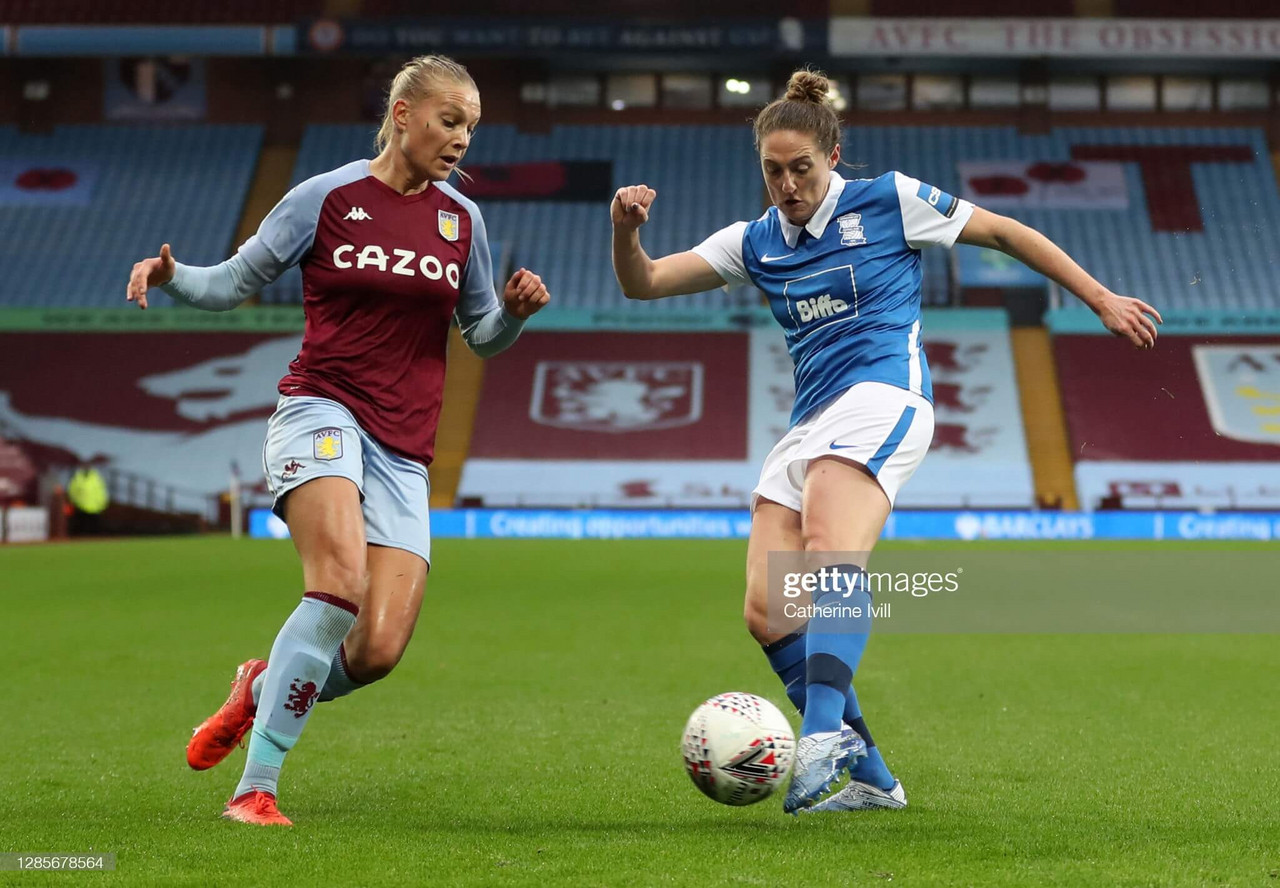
point(1128, 317)
point(525, 294)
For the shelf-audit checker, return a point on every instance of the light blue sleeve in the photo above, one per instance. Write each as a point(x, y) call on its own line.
point(486, 326)
point(282, 240)
point(219, 288)
point(493, 332)
point(286, 235)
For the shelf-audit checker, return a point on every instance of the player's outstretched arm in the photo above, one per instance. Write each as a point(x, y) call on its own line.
point(219, 288)
point(147, 274)
point(1122, 315)
point(641, 277)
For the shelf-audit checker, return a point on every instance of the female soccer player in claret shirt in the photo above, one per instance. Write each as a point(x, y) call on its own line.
point(839, 262)
point(389, 254)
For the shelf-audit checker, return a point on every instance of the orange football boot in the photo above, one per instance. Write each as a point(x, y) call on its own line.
point(219, 733)
point(256, 807)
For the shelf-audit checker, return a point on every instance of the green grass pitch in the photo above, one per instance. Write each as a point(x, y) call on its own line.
point(530, 735)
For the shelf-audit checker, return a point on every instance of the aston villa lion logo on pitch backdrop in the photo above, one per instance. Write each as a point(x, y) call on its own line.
point(617, 396)
point(1241, 385)
point(448, 225)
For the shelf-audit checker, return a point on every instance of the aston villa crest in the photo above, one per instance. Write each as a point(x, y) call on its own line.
point(448, 225)
point(326, 444)
point(1241, 386)
point(617, 396)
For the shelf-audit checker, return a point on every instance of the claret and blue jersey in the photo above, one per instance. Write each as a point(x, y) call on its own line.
point(845, 287)
point(383, 274)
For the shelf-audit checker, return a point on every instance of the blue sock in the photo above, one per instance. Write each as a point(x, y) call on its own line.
point(786, 656)
point(834, 644)
point(872, 768)
point(297, 669)
point(338, 684)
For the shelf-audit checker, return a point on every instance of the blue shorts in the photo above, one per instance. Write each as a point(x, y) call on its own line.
point(309, 438)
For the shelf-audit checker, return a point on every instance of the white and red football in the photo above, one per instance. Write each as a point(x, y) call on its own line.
point(738, 748)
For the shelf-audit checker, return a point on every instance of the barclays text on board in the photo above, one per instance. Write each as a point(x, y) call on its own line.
point(735, 524)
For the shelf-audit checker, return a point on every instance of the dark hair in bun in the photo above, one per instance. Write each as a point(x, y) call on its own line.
point(805, 108)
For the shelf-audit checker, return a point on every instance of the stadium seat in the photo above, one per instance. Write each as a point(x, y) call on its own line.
point(706, 177)
point(142, 193)
point(1228, 265)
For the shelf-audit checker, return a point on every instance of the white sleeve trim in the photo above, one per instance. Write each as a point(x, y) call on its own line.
point(926, 223)
point(723, 252)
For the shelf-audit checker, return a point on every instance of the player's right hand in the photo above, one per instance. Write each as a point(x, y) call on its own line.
point(147, 274)
point(630, 207)
point(1128, 317)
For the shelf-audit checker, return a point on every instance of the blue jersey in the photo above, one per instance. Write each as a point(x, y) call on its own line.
point(846, 286)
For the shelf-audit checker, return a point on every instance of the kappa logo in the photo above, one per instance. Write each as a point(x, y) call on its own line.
point(448, 225)
point(357, 214)
point(851, 233)
point(290, 470)
point(327, 444)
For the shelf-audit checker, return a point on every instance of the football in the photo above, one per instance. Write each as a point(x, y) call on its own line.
point(738, 748)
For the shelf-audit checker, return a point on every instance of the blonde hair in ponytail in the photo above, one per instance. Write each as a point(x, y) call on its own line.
point(414, 82)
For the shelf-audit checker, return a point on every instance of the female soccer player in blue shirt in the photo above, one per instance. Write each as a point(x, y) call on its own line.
point(839, 260)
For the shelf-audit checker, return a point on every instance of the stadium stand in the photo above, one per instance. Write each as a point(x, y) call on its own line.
point(667, 10)
point(139, 192)
point(1192, 9)
point(1182, 241)
point(75, 12)
point(1230, 264)
point(706, 177)
point(929, 8)
point(1205, 253)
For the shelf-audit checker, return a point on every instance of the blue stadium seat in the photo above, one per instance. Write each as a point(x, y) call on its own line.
point(1230, 265)
point(706, 177)
point(181, 184)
